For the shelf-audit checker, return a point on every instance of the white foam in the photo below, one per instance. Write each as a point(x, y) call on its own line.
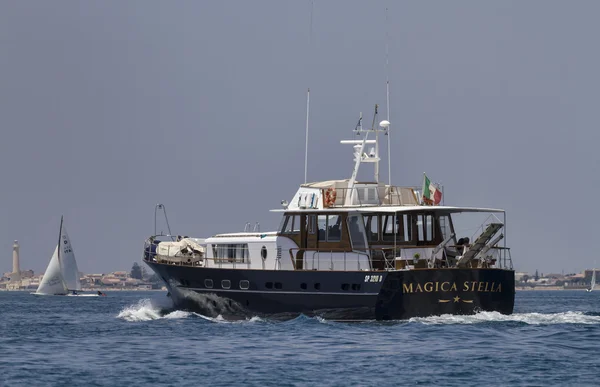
point(146, 310)
point(177, 314)
point(142, 311)
point(527, 318)
point(220, 319)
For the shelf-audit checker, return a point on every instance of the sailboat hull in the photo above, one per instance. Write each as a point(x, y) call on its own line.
point(359, 295)
point(67, 295)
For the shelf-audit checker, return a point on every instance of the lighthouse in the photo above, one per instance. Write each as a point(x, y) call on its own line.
point(16, 274)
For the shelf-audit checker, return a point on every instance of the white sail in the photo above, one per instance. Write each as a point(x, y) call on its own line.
point(593, 282)
point(68, 264)
point(53, 282)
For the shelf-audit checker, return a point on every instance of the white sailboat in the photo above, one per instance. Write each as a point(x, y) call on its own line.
point(593, 281)
point(62, 275)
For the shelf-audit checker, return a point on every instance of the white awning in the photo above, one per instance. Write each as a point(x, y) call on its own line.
point(389, 209)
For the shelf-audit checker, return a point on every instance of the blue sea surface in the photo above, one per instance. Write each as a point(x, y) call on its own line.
point(138, 339)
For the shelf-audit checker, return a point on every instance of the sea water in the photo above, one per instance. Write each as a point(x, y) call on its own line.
point(138, 339)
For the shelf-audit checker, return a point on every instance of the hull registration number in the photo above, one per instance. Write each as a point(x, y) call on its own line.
point(373, 278)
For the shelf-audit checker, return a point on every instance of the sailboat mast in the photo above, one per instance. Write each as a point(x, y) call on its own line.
point(59, 248)
point(59, 237)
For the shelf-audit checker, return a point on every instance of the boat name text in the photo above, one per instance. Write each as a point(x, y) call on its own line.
point(447, 286)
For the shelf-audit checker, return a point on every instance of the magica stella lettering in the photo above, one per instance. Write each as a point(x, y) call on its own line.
point(446, 286)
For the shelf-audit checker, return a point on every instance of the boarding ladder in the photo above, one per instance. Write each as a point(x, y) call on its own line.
point(479, 244)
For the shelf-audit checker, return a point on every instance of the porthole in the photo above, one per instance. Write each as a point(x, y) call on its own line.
point(244, 284)
point(278, 285)
point(303, 286)
point(345, 286)
point(208, 283)
point(269, 285)
point(263, 253)
point(318, 286)
point(225, 284)
point(355, 286)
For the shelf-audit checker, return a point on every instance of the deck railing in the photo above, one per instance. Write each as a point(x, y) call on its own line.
point(365, 196)
point(387, 258)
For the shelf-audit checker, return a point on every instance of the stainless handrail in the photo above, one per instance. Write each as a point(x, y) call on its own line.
point(390, 195)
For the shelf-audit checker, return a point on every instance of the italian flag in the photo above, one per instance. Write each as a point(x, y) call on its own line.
point(431, 193)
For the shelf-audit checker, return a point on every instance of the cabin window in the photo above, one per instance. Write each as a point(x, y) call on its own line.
point(296, 225)
point(371, 227)
point(404, 228)
point(291, 224)
point(230, 253)
point(388, 227)
point(322, 220)
point(208, 283)
point(445, 226)
point(397, 228)
point(429, 230)
point(420, 228)
point(287, 226)
point(424, 224)
point(334, 228)
point(244, 284)
point(330, 228)
point(357, 232)
point(225, 284)
point(311, 221)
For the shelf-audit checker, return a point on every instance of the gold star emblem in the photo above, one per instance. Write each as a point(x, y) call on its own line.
point(456, 299)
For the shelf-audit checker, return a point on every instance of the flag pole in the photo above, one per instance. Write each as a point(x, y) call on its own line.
point(423, 189)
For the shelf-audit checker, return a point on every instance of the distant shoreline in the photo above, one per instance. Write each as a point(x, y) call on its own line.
point(538, 288)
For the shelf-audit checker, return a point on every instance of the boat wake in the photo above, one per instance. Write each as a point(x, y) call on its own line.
point(526, 318)
point(220, 319)
point(147, 310)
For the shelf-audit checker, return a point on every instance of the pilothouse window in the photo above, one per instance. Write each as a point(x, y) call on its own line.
point(371, 227)
point(330, 228)
point(357, 232)
point(291, 224)
point(311, 220)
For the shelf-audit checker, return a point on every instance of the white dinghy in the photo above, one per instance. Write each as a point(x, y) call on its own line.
point(62, 275)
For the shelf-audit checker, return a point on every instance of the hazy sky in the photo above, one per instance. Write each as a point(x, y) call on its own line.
point(107, 108)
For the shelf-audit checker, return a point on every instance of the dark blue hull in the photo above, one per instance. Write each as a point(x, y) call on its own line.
point(337, 295)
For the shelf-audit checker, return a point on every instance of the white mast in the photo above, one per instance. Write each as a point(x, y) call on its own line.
point(306, 147)
point(312, 4)
point(387, 87)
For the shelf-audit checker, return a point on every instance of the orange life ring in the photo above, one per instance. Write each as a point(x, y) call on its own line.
point(330, 196)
